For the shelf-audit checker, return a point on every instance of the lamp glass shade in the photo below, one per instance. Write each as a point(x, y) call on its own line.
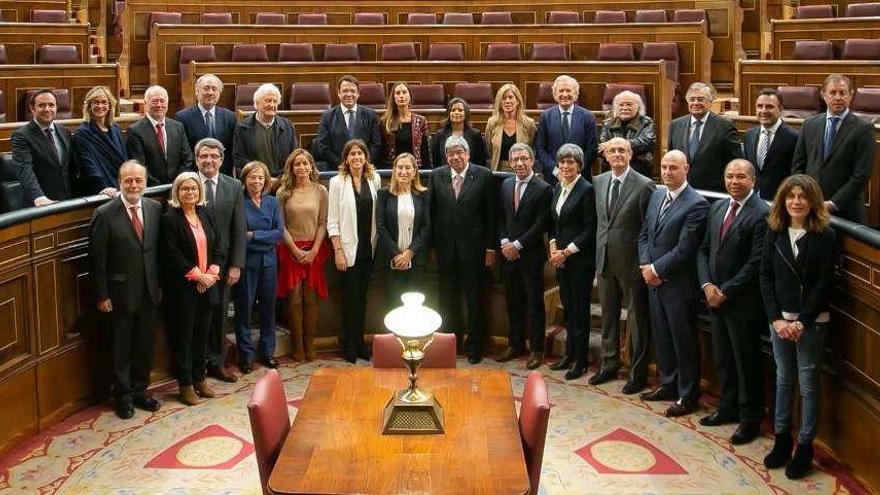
point(412, 319)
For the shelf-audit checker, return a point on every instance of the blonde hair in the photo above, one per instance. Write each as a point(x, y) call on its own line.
point(497, 114)
point(94, 93)
point(175, 187)
point(369, 169)
point(288, 179)
point(394, 186)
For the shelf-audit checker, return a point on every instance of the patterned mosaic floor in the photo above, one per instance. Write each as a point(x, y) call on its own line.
point(599, 442)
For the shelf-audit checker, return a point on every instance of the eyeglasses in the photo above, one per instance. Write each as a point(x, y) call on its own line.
point(455, 152)
point(518, 159)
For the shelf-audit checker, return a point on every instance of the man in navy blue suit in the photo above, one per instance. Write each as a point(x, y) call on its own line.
point(207, 120)
point(565, 123)
point(345, 122)
point(671, 235)
point(769, 146)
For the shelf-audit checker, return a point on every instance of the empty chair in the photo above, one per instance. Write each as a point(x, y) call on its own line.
point(440, 354)
point(58, 54)
point(244, 96)
point(11, 192)
point(544, 98)
point(496, 18)
point(800, 101)
point(446, 52)
point(609, 16)
point(615, 52)
point(369, 18)
point(341, 52)
point(52, 16)
point(814, 12)
point(312, 19)
point(503, 51)
point(477, 95)
point(3, 58)
point(270, 18)
point(563, 17)
point(690, 15)
point(863, 10)
point(197, 53)
point(612, 89)
point(372, 95)
point(296, 52)
point(549, 51)
point(249, 53)
point(867, 49)
point(270, 423)
point(651, 16)
point(866, 104)
point(813, 50)
point(427, 96)
point(534, 416)
point(421, 18)
point(216, 17)
point(164, 18)
point(310, 96)
point(458, 18)
point(666, 51)
point(398, 51)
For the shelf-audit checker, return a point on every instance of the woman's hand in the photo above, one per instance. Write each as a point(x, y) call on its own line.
point(307, 257)
point(403, 261)
point(339, 258)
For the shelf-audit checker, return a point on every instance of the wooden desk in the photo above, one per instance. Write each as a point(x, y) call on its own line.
point(785, 32)
point(16, 80)
point(336, 444)
point(24, 39)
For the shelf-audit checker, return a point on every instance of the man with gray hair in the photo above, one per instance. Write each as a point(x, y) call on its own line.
point(462, 206)
point(158, 143)
point(264, 136)
point(206, 119)
point(565, 123)
point(628, 121)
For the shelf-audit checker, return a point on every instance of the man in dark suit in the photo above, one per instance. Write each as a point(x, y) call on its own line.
point(224, 200)
point(206, 119)
point(769, 146)
point(525, 204)
point(708, 141)
point(158, 143)
point(622, 196)
point(345, 122)
point(123, 251)
point(44, 154)
point(727, 265)
point(565, 123)
point(265, 135)
point(837, 149)
point(462, 205)
point(668, 243)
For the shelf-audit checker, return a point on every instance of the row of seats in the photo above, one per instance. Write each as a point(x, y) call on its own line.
point(50, 16)
point(853, 49)
point(802, 101)
point(827, 11)
point(50, 54)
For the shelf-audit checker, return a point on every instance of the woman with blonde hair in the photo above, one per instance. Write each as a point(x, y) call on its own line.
point(98, 143)
point(507, 126)
point(303, 252)
point(402, 130)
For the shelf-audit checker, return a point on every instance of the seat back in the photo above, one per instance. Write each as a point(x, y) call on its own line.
point(814, 12)
point(421, 18)
point(458, 18)
point(549, 51)
point(534, 416)
point(398, 51)
point(296, 52)
point(63, 109)
point(544, 98)
point(800, 101)
point(249, 53)
point(563, 17)
point(440, 354)
point(216, 17)
point(615, 52)
point(270, 18)
point(2, 107)
point(496, 18)
point(270, 423)
point(11, 192)
point(51, 16)
point(477, 95)
point(427, 96)
point(503, 51)
point(666, 51)
point(3, 57)
point(372, 95)
point(813, 50)
point(609, 16)
point(612, 89)
point(866, 104)
point(446, 52)
point(690, 15)
point(58, 54)
point(341, 52)
point(310, 96)
point(244, 96)
point(198, 53)
point(863, 10)
point(866, 49)
point(369, 18)
point(164, 18)
point(319, 19)
point(651, 16)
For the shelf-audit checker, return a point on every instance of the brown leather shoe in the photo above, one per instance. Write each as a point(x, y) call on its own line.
point(681, 407)
point(659, 393)
point(508, 354)
point(221, 374)
point(188, 396)
point(203, 390)
point(535, 361)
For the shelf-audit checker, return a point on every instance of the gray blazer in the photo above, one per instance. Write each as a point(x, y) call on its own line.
point(617, 233)
point(228, 211)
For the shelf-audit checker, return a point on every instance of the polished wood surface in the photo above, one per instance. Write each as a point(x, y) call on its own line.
point(17, 80)
point(20, 10)
point(336, 444)
point(24, 39)
point(785, 32)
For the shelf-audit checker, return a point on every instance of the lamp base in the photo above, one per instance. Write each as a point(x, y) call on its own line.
point(404, 417)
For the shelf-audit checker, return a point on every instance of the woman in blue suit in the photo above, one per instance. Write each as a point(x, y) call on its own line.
point(98, 143)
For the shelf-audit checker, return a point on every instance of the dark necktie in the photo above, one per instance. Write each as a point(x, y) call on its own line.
point(209, 191)
point(615, 193)
point(695, 140)
point(765, 146)
point(830, 132)
point(136, 223)
point(48, 133)
point(160, 136)
point(350, 123)
point(565, 127)
point(209, 123)
point(728, 220)
point(665, 206)
point(517, 193)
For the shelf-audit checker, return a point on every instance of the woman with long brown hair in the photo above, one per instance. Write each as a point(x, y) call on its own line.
point(403, 131)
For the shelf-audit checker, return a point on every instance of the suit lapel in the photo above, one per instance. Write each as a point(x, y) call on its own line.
point(840, 135)
point(626, 188)
point(469, 178)
point(706, 134)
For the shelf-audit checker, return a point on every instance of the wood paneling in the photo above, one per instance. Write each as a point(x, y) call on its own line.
point(785, 32)
point(20, 10)
point(23, 40)
point(19, 416)
point(78, 79)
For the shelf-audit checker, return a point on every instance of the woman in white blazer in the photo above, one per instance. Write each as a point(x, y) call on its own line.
point(351, 225)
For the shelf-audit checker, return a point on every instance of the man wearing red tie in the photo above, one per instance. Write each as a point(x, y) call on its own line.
point(158, 143)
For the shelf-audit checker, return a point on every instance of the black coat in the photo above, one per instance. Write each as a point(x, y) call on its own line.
point(179, 256)
point(387, 228)
point(530, 221)
point(143, 146)
point(777, 164)
point(39, 170)
point(719, 144)
point(465, 225)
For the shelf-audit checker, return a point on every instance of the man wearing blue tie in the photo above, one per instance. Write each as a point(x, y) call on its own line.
point(206, 119)
point(565, 123)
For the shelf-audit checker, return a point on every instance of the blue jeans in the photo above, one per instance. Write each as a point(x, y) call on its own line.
point(255, 284)
point(799, 361)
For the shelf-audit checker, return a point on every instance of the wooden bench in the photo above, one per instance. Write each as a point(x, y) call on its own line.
point(20, 10)
point(785, 32)
point(24, 39)
point(78, 79)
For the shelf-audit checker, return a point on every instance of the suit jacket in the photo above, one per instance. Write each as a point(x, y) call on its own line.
point(530, 221)
point(245, 146)
point(576, 223)
point(342, 213)
point(719, 143)
point(671, 244)
point(387, 228)
point(224, 130)
point(642, 137)
point(418, 141)
point(471, 135)
point(617, 233)
point(229, 219)
point(548, 139)
point(777, 164)
point(266, 224)
point(525, 133)
point(179, 256)
point(733, 263)
point(143, 146)
point(332, 136)
point(122, 266)
point(39, 171)
point(845, 172)
point(465, 225)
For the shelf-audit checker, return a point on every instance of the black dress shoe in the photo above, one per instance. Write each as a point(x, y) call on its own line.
point(781, 453)
point(633, 387)
point(562, 364)
point(602, 377)
point(270, 363)
point(535, 361)
point(801, 463)
point(681, 407)
point(146, 402)
point(475, 359)
point(745, 433)
point(124, 408)
point(508, 354)
point(364, 353)
point(576, 371)
point(719, 418)
point(246, 367)
point(221, 374)
point(659, 393)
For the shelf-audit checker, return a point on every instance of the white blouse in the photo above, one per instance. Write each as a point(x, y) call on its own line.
point(406, 217)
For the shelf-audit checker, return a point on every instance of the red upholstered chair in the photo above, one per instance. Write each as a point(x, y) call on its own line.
point(197, 53)
point(863, 10)
point(398, 51)
point(427, 96)
point(866, 104)
point(615, 52)
point(270, 423)
point(372, 95)
point(270, 18)
point(3, 58)
point(64, 110)
point(549, 51)
point(310, 96)
point(800, 101)
point(216, 17)
point(477, 95)
point(458, 18)
point(814, 12)
point(651, 16)
point(544, 98)
point(296, 52)
point(249, 53)
point(534, 416)
point(58, 54)
point(440, 354)
point(164, 18)
point(446, 52)
point(244, 96)
point(868, 49)
point(421, 18)
point(341, 52)
point(369, 18)
point(503, 51)
point(690, 15)
point(312, 19)
point(563, 17)
point(612, 89)
point(609, 16)
point(50, 16)
point(813, 50)
point(666, 51)
point(496, 18)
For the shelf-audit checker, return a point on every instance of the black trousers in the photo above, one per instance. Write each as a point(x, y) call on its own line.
point(132, 340)
point(524, 293)
point(575, 285)
point(736, 347)
point(354, 282)
point(464, 277)
point(401, 281)
point(189, 327)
